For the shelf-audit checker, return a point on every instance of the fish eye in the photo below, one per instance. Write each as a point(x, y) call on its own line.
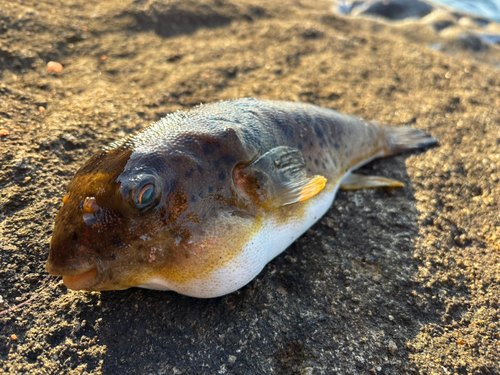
point(145, 196)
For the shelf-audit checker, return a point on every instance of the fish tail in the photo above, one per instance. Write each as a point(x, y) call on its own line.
point(405, 138)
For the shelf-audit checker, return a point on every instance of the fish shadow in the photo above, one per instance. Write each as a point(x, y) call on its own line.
point(343, 296)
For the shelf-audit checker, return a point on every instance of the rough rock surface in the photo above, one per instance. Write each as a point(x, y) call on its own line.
point(389, 282)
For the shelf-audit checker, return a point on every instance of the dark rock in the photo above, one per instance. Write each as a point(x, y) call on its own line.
point(480, 21)
point(392, 9)
point(489, 38)
point(441, 25)
point(471, 42)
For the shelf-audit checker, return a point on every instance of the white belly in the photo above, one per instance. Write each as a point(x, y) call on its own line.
point(271, 240)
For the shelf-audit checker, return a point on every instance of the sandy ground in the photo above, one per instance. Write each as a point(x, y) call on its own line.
point(388, 282)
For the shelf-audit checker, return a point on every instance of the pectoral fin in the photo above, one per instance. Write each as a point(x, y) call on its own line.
point(278, 178)
point(357, 182)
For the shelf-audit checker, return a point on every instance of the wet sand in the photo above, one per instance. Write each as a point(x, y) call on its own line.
point(400, 281)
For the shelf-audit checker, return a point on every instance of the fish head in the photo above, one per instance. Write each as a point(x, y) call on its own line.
point(100, 218)
point(130, 215)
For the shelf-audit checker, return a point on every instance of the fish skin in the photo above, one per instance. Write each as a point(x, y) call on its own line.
point(196, 238)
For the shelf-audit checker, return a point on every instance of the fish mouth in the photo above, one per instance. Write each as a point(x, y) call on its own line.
point(80, 277)
point(82, 281)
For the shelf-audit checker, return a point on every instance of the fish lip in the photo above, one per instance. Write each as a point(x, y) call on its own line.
point(83, 281)
point(73, 270)
point(78, 276)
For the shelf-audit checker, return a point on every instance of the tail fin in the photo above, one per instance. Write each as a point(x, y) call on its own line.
point(405, 138)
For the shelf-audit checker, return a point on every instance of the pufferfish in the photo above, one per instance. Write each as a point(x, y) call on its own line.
point(200, 201)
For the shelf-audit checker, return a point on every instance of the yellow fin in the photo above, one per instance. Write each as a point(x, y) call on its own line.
point(357, 182)
point(278, 178)
point(313, 187)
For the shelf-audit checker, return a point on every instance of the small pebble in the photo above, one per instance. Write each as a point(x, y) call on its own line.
point(392, 347)
point(54, 66)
